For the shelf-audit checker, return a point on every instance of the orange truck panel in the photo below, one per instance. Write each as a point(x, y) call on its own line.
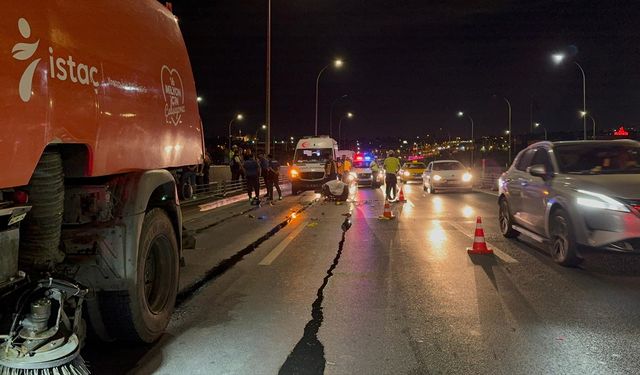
point(112, 75)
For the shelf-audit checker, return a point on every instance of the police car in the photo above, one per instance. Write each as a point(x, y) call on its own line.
point(362, 169)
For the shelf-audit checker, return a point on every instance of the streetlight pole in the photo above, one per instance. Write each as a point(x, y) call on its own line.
point(263, 127)
point(509, 130)
point(267, 145)
point(337, 64)
point(236, 117)
point(557, 58)
point(348, 115)
point(331, 113)
point(584, 115)
point(509, 105)
point(536, 125)
point(473, 143)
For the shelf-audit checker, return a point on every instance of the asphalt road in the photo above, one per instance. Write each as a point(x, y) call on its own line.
point(397, 296)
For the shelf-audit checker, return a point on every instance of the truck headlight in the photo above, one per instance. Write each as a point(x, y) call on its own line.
point(437, 177)
point(466, 177)
point(601, 201)
point(294, 173)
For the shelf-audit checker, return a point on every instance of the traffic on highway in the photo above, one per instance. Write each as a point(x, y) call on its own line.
point(319, 188)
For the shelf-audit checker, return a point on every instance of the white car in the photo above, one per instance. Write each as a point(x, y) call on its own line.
point(446, 175)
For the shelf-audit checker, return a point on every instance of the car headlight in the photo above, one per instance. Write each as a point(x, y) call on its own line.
point(294, 173)
point(466, 177)
point(597, 200)
point(437, 177)
point(407, 174)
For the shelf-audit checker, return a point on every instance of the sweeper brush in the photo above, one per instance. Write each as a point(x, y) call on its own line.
point(46, 331)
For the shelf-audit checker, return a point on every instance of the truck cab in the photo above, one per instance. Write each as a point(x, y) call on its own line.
point(309, 159)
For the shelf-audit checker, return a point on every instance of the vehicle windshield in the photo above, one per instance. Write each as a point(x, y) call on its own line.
point(448, 166)
point(415, 166)
point(598, 158)
point(311, 155)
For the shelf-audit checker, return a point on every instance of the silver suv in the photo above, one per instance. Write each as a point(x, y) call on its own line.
point(574, 195)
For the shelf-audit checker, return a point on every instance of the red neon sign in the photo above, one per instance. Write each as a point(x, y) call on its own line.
point(621, 132)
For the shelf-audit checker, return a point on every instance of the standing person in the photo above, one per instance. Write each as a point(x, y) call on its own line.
point(340, 167)
point(206, 167)
point(252, 174)
point(375, 171)
point(346, 169)
point(264, 169)
point(274, 176)
point(235, 163)
point(330, 168)
point(391, 168)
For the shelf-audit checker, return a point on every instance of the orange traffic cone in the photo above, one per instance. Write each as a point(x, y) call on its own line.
point(479, 246)
point(387, 211)
point(401, 196)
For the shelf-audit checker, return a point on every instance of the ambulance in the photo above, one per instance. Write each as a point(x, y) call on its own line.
point(309, 159)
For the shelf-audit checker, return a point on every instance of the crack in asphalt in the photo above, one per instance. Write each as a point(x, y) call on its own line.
point(307, 357)
point(226, 264)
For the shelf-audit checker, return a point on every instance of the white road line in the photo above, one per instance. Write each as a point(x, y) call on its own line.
point(282, 245)
point(499, 253)
point(488, 192)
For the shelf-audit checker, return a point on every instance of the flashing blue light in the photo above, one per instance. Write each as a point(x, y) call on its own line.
point(367, 158)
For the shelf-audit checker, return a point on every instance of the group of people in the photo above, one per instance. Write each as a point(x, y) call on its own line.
point(338, 172)
point(252, 168)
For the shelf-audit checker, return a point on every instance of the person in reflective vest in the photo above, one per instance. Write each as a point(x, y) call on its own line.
point(391, 168)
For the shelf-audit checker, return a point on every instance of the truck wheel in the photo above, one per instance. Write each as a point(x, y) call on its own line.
point(564, 249)
point(40, 231)
point(142, 313)
point(185, 189)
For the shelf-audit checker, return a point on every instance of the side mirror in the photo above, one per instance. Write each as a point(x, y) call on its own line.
point(539, 170)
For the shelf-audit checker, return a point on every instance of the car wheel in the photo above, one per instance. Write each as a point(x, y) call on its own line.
point(506, 221)
point(563, 243)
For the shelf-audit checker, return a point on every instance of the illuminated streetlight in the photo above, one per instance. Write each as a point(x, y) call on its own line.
point(199, 99)
point(537, 125)
point(558, 58)
point(509, 128)
point(347, 115)
point(331, 113)
point(337, 63)
point(473, 143)
point(584, 115)
point(238, 117)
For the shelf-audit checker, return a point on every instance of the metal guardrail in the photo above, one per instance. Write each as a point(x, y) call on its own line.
point(216, 190)
point(489, 178)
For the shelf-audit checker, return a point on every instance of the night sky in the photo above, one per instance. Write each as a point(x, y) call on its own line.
point(411, 65)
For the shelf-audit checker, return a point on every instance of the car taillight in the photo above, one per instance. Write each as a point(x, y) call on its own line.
point(20, 197)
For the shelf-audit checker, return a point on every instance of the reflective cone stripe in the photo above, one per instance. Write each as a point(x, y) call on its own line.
point(387, 210)
point(479, 245)
point(401, 195)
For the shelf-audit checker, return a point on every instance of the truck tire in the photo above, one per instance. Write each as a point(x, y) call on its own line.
point(142, 313)
point(41, 229)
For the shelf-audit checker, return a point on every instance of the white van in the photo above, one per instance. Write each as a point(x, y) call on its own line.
point(307, 171)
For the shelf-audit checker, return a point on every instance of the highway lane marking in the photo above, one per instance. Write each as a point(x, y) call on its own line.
point(282, 245)
point(499, 253)
point(488, 192)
